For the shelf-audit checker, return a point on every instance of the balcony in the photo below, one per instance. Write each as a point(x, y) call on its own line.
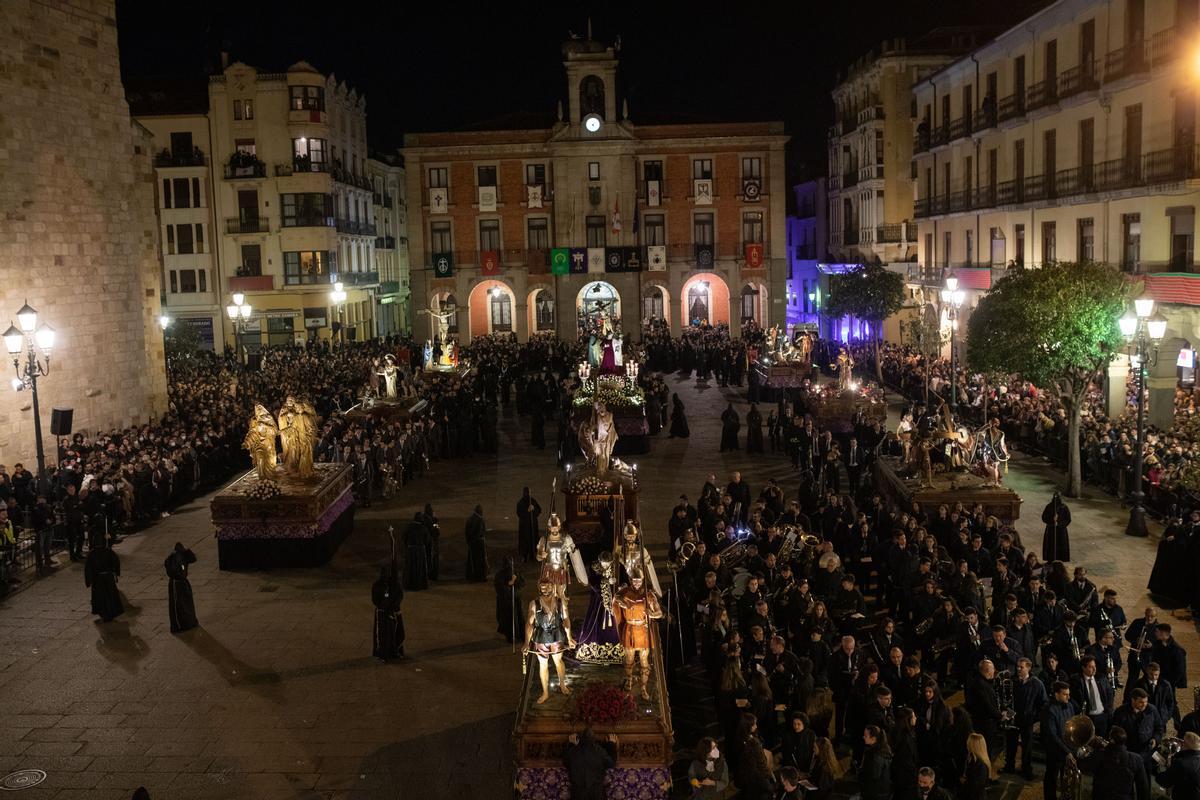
point(245, 171)
point(850, 237)
point(354, 227)
point(985, 117)
point(305, 164)
point(890, 232)
point(870, 172)
point(251, 283)
point(234, 225)
point(921, 207)
point(309, 221)
point(1078, 79)
point(168, 159)
point(849, 178)
point(921, 139)
point(960, 128)
point(1126, 61)
point(870, 114)
point(848, 124)
point(313, 114)
point(357, 278)
point(928, 275)
point(1010, 107)
point(385, 243)
point(941, 135)
point(1042, 94)
point(1162, 47)
point(959, 201)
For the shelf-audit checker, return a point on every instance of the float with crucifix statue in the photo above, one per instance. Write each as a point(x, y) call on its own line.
point(608, 376)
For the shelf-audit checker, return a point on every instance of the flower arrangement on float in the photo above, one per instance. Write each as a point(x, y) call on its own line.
point(603, 704)
point(264, 490)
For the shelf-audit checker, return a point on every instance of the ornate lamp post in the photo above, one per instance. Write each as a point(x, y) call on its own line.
point(338, 298)
point(32, 338)
point(239, 313)
point(1142, 334)
point(952, 298)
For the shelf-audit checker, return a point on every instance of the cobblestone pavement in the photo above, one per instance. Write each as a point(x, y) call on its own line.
point(276, 696)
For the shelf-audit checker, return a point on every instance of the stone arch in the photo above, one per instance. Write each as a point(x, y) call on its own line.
point(753, 300)
point(594, 299)
point(659, 290)
point(704, 298)
point(492, 307)
point(541, 310)
point(442, 300)
point(591, 96)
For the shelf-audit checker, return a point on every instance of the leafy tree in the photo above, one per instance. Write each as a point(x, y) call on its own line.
point(181, 340)
point(871, 293)
point(925, 331)
point(1055, 326)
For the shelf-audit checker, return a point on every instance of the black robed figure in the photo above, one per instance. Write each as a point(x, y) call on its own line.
point(386, 595)
point(508, 585)
point(100, 572)
point(180, 603)
point(416, 554)
point(476, 546)
point(731, 423)
point(1056, 544)
point(528, 511)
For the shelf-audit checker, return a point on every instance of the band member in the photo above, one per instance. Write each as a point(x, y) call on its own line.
point(1058, 752)
point(1160, 693)
point(1029, 698)
point(1140, 636)
point(1067, 644)
point(1143, 725)
point(554, 550)
point(1081, 594)
point(981, 701)
point(1094, 694)
point(1108, 615)
point(1001, 652)
point(1167, 653)
point(548, 635)
point(844, 664)
point(1107, 653)
point(635, 607)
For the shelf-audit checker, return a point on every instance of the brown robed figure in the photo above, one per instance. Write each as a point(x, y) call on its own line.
point(634, 609)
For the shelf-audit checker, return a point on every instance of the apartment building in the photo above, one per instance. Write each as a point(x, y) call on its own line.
point(1070, 137)
point(870, 205)
point(392, 307)
point(538, 224)
point(807, 247)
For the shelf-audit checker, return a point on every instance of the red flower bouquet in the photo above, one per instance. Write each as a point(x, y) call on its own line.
point(603, 704)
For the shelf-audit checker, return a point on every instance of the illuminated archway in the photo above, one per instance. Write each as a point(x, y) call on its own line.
point(597, 301)
point(442, 301)
point(492, 306)
point(753, 303)
point(541, 310)
point(704, 299)
point(656, 303)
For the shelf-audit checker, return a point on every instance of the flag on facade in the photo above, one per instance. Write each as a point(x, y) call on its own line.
point(487, 198)
point(633, 259)
point(534, 195)
point(439, 200)
point(560, 261)
point(754, 255)
point(656, 257)
point(614, 259)
point(595, 259)
point(616, 215)
point(578, 257)
point(489, 262)
point(702, 192)
point(443, 265)
point(653, 193)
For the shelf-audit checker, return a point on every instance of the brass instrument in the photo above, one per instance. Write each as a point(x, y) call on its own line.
point(924, 625)
point(1166, 751)
point(733, 555)
point(686, 551)
point(811, 545)
point(1080, 735)
point(787, 546)
point(1074, 643)
point(1111, 670)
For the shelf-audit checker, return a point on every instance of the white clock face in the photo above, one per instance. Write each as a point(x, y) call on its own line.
point(592, 123)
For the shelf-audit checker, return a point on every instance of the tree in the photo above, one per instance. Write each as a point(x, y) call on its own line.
point(181, 340)
point(926, 332)
point(871, 293)
point(1055, 326)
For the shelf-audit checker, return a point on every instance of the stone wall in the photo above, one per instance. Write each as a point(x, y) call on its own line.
point(78, 237)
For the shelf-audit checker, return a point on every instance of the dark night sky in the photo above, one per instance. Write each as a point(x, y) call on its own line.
point(441, 65)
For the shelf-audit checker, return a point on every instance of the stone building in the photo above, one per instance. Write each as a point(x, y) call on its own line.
point(535, 225)
point(78, 235)
point(393, 312)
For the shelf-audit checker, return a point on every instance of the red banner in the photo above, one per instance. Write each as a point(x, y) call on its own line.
point(754, 255)
point(489, 262)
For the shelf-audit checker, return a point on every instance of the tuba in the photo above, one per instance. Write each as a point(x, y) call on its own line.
point(1080, 735)
point(787, 546)
point(686, 551)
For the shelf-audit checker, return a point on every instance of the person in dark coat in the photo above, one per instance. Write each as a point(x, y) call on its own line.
point(386, 594)
point(875, 774)
point(679, 423)
point(433, 543)
point(101, 571)
point(731, 423)
point(416, 564)
point(180, 604)
point(1117, 773)
point(508, 585)
point(1056, 544)
point(587, 762)
point(1183, 776)
point(528, 511)
point(754, 432)
point(475, 534)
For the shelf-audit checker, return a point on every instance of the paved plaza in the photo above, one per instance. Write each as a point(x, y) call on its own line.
point(277, 696)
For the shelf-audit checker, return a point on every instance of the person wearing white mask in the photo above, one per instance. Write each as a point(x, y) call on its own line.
point(708, 773)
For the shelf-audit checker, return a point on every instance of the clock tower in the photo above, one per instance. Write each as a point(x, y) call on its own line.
point(591, 85)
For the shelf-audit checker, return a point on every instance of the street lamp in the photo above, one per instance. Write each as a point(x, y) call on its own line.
point(239, 313)
point(1142, 334)
point(31, 338)
point(952, 298)
point(338, 298)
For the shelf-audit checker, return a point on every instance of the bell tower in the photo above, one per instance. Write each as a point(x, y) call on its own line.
point(591, 84)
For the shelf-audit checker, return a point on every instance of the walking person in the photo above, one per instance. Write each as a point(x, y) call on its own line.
point(754, 431)
point(72, 506)
point(476, 536)
point(731, 423)
point(679, 423)
point(416, 564)
point(101, 571)
point(180, 604)
point(42, 518)
point(386, 595)
point(528, 511)
point(433, 543)
point(1056, 543)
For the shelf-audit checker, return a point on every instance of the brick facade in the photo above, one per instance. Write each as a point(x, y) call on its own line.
point(78, 236)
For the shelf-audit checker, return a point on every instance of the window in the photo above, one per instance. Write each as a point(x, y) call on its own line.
point(170, 240)
point(437, 177)
point(752, 168)
point(752, 227)
point(307, 98)
point(280, 330)
point(166, 193)
point(702, 229)
point(501, 308)
point(997, 237)
point(196, 193)
point(181, 144)
point(1019, 252)
point(593, 170)
point(308, 155)
point(535, 174)
point(654, 229)
point(1049, 243)
point(183, 240)
point(652, 170)
point(187, 281)
point(243, 109)
point(544, 310)
point(489, 234)
point(1182, 236)
point(307, 266)
point(174, 282)
point(970, 239)
point(1086, 235)
point(306, 209)
point(487, 176)
point(702, 169)
point(181, 193)
point(539, 233)
point(440, 240)
point(652, 305)
point(597, 231)
point(749, 303)
point(251, 260)
point(199, 237)
point(947, 242)
point(929, 251)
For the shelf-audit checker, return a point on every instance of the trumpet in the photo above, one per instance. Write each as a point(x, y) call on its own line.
point(924, 625)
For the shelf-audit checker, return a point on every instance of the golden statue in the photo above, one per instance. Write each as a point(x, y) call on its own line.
point(298, 430)
point(598, 437)
point(260, 441)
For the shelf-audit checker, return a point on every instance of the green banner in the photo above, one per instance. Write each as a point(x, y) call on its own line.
point(560, 261)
